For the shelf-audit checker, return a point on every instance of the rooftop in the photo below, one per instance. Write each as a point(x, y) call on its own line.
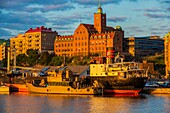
point(40, 29)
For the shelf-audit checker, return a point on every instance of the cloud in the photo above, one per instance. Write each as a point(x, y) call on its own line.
point(154, 10)
point(95, 2)
point(157, 16)
point(165, 1)
point(103, 2)
point(15, 3)
point(117, 19)
point(135, 29)
point(168, 9)
point(33, 5)
point(4, 32)
point(22, 18)
point(50, 7)
point(158, 32)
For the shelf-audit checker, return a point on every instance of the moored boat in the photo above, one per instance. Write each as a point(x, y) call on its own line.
point(157, 87)
point(119, 77)
point(61, 81)
point(4, 88)
point(14, 87)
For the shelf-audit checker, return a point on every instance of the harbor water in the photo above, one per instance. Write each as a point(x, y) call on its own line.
point(45, 103)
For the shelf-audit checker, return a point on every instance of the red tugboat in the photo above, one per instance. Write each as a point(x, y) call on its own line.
point(119, 77)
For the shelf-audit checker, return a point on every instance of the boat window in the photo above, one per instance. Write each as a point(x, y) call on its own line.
point(110, 66)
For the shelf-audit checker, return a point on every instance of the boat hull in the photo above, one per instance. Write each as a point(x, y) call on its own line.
point(118, 91)
point(4, 89)
point(114, 85)
point(62, 90)
point(17, 87)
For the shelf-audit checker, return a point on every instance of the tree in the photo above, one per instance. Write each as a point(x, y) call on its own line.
point(56, 61)
point(45, 58)
point(32, 57)
point(4, 62)
point(21, 60)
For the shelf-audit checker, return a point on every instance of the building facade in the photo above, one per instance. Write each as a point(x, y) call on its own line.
point(167, 54)
point(2, 51)
point(143, 46)
point(4, 44)
point(91, 38)
point(40, 38)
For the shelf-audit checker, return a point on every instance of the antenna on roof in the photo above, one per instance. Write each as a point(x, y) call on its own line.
point(99, 3)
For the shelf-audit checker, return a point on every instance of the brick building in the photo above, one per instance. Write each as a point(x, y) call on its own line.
point(91, 38)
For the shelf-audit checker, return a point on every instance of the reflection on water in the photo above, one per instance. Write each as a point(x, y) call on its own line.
point(43, 103)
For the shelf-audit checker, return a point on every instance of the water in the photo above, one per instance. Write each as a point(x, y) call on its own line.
point(43, 103)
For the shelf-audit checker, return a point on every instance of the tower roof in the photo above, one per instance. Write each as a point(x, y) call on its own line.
point(100, 10)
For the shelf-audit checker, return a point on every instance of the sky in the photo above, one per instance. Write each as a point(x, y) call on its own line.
point(136, 17)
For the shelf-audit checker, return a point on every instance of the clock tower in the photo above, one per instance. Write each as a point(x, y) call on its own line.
point(100, 20)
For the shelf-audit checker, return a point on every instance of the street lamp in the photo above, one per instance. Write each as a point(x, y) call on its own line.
point(8, 61)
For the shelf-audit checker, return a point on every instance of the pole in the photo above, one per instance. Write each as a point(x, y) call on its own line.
point(14, 58)
point(8, 60)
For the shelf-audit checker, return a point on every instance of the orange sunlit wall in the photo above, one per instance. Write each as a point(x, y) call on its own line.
point(91, 39)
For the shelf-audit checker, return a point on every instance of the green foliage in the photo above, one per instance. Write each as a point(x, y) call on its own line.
point(44, 58)
point(56, 61)
point(21, 60)
point(32, 57)
point(159, 63)
point(69, 60)
point(4, 62)
point(78, 60)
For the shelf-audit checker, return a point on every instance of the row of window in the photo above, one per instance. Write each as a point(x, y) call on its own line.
point(64, 45)
point(97, 43)
point(82, 49)
point(80, 32)
point(62, 39)
point(80, 38)
point(63, 50)
point(97, 48)
point(80, 44)
point(100, 37)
